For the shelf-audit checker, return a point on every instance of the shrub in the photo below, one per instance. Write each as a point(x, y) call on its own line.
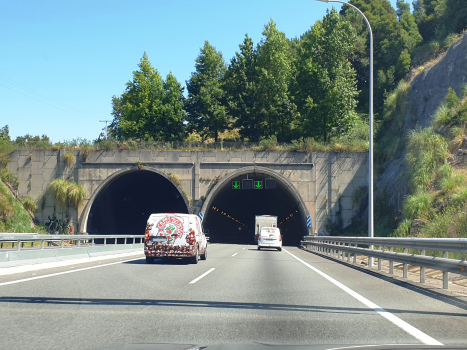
point(174, 178)
point(427, 151)
point(29, 204)
point(76, 194)
point(67, 193)
point(68, 158)
point(59, 189)
point(417, 206)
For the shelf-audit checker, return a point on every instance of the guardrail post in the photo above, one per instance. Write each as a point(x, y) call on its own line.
point(125, 240)
point(355, 255)
point(348, 255)
point(422, 269)
point(380, 261)
point(42, 244)
point(445, 273)
point(92, 242)
point(105, 241)
point(18, 248)
point(79, 243)
point(406, 266)
point(391, 263)
point(370, 258)
point(116, 239)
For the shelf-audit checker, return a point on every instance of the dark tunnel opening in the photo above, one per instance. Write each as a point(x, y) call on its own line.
point(124, 205)
point(230, 217)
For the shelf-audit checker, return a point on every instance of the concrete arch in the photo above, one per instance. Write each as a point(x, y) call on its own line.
point(83, 221)
point(252, 169)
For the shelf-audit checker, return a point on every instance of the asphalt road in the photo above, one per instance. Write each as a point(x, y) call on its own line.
point(238, 295)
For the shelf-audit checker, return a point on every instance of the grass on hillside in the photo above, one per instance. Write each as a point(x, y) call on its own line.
point(13, 216)
point(439, 190)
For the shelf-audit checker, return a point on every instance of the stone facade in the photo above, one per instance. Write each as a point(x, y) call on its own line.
point(324, 181)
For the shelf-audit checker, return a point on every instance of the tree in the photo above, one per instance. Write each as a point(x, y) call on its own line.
point(391, 37)
point(149, 107)
point(205, 106)
point(240, 83)
point(274, 73)
point(326, 82)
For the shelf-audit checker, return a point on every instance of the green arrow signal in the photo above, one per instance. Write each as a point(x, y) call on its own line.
point(236, 184)
point(258, 184)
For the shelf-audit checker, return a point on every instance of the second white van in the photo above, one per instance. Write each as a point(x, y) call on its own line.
point(270, 237)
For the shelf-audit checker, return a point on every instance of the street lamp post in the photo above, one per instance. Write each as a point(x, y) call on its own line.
point(370, 186)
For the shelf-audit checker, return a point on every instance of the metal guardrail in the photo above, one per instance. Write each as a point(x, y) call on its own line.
point(346, 247)
point(19, 239)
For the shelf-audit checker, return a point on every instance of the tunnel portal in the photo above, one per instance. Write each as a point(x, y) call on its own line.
point(230, 217)
point(124, 205)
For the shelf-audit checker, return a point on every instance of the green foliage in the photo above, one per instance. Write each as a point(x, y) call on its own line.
point(449, 223)
point(68, 158)
point(75, 195)
point(205, 107)
point(13, 216)
point(390, 143)
point(62, 226)
point(240, 86)
point(326, 87)
point(417, 206)
point(67, 193)
point(426, 152)
point(276, 111)
point(174, 178)
point(29, 204)
point(150, 107)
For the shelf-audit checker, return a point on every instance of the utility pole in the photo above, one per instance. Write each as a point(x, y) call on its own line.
point(105, 121)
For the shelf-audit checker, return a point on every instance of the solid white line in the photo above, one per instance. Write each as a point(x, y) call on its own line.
point(65, 272)
point(234, 254)
point(53, 264)
point(204, 274)
point(423, 337)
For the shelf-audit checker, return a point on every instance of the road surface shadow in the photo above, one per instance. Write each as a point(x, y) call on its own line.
point(451, 300)
point(211, 304)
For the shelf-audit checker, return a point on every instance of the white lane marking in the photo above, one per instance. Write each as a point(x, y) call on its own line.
point(423, 337)
point(53, 264)
point(64, 272)
point(234, 254)
point(204, 274)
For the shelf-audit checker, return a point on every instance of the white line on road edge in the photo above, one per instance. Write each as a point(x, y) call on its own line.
point(65, 272)
point(234, 254)
point(61, 263)
point(204, 274)
point(423, 337)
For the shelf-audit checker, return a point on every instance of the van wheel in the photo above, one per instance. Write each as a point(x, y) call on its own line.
point(259, 248)
point(149, 260)
point(205, 255)
point(279, 249)
point(194, 260)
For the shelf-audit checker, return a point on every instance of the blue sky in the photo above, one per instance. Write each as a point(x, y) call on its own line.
point(62, 61)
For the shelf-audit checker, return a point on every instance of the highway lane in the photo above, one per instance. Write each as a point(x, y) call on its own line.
point(248, 295)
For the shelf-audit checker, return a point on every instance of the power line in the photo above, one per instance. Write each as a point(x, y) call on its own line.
point(42, 96)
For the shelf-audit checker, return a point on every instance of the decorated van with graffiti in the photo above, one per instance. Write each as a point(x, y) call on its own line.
point(173, 235)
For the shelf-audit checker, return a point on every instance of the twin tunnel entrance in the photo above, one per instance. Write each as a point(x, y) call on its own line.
point(123, 205)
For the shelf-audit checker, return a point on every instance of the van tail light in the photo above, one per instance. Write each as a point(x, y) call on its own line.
point(280, 238)
point(191, 237)
point(146, 236)
point(259, 237)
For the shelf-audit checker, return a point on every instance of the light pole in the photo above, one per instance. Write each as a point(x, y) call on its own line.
point(370, 185)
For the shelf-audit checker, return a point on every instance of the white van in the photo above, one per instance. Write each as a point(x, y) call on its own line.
point(173, 235)
point(270, 237)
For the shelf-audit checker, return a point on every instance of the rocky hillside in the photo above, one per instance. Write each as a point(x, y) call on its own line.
point(427, 92)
